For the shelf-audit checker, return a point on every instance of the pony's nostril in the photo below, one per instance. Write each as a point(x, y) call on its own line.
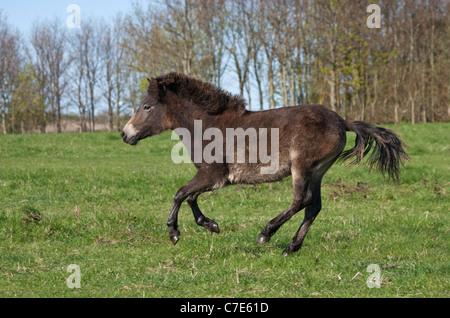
point(122, 134)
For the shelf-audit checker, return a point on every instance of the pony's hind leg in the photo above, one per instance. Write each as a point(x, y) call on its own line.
point(311, 212)
point(312, 209)
point(302, 196)
point(200, 218)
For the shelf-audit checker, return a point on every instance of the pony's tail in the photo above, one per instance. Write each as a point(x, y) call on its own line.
point(388, 154)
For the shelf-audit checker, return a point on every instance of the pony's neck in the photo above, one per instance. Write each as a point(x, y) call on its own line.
point(183, 114)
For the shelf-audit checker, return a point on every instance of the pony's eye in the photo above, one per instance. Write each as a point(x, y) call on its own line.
point(147, 107)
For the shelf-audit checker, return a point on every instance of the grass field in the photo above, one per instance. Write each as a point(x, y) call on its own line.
point(91, 200)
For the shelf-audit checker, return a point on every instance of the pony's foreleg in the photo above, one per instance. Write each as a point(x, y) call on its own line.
point(172, 221)
point(202, 182)
point(200, 218)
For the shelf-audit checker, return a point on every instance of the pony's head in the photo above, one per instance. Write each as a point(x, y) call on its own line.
point(150, 118)
point(197, 98)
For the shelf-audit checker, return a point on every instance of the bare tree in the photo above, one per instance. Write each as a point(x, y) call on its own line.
point(50, 52)
point(115, 70)
point(211, 18)
point(85, 44)
point(266, 39)
point(238, 39)
point(10, 63)
point(109, 58)
point(78, 89)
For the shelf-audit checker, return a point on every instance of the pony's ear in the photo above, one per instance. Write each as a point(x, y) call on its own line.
point(155, 88)
point(165, 82)
point(149, 80)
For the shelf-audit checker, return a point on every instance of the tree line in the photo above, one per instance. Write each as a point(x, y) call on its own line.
point(272, 52)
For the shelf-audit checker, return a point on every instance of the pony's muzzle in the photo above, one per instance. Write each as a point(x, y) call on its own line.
point(129, 135)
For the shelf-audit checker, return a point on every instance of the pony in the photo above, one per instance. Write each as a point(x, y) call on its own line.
point(309, 140)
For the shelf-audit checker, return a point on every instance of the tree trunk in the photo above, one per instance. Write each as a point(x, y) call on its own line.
point(249, 95)
point(58, 113)
point(92, 117)
point(432, 83)
point(4, 118)
point(396, 114)
point(413, 108)
point(292, 89)
point(110, 112)
point(258, 82)
point(271, 86)
point(332, 84)
point(375, 98)
point(284, 85)
point(118, 106)
point(423, 113)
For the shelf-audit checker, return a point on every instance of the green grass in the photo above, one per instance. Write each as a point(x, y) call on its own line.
point(91, 200)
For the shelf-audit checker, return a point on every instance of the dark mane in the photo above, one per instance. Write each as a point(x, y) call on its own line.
point(211, 98)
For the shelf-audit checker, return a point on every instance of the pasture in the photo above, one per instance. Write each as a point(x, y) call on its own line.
point(92, 200)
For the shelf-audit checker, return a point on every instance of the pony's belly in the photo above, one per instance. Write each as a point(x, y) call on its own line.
point(255, 173)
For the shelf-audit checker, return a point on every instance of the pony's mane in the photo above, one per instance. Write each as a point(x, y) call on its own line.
point(214, 100)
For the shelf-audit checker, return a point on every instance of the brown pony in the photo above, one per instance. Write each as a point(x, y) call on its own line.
point(310, 139)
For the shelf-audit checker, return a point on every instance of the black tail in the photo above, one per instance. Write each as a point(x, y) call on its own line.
point(388, 153)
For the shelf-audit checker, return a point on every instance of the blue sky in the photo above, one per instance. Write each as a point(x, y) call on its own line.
point(22, 13)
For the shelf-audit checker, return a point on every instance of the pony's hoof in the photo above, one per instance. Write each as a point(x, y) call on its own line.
point(287, 252)
point(208, 224)
point(213, 227)
point(175, 237)
point(291, 249)
point(262, 238)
